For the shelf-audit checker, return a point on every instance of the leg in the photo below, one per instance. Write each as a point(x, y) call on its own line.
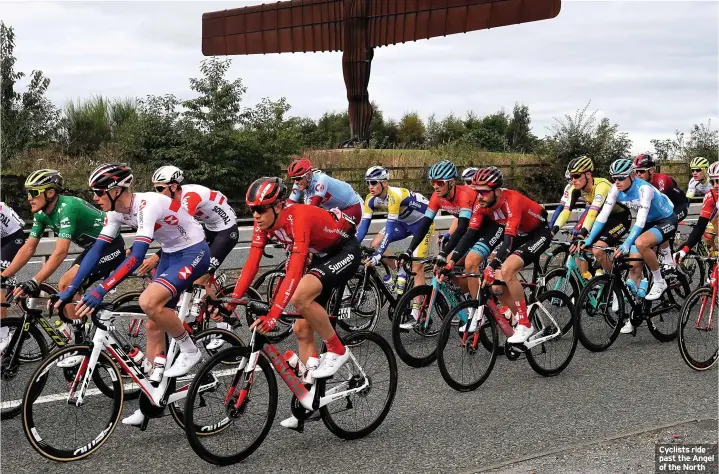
point(472, 264)
point(309, 288)
point(601, 256)
point(62, 285)
point(503, 293)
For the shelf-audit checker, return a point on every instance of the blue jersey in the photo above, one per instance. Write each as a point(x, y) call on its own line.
point(331, 192)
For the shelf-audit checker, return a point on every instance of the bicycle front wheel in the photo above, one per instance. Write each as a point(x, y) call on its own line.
point(697, 340)
point(554, 321)
point(54, 424)
point(600, 309)
point(364, 303)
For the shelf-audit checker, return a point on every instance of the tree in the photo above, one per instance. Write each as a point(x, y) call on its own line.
point(218, 106)
point(411, 131)
point(703, 141)
point(89, 124)
point(519, 131)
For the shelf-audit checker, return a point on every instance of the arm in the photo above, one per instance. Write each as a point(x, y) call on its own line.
point(366, 219)
point(295, 194)
point(295, 268)
point(560, 218)
point(23, 256)
point(457, 235)
point(603, 215)
point(646, 194)
point(424, 225)
point(691, 190)
point(62, 246)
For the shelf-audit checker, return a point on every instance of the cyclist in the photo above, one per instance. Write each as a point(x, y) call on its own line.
point(404, 210)
point(706, 215)
point(655, 223)
point(185, 257)
point(12, 239)
point(467, 175)
point(330, 237)
point(699, 182)
point(322, 190)
point(594, 191)
point(526, 237)
point(74, 221)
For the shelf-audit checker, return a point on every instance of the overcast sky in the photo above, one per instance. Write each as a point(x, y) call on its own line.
point(650, 66)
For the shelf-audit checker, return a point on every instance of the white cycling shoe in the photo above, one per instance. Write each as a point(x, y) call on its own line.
point(627, 328)
point(292, 423)
point(330, 363)
point(658, 288)
point(135, 419)
point(184, 362)
point(69, 362)
point(216, 342)
point(521, 334)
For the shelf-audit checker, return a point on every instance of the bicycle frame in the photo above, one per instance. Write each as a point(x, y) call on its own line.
point(714, 284)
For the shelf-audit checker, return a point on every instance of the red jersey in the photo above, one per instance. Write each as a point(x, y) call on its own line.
point(515, 211)
point(303, 228)
point(709, 205)
point(668, 186)
point(460, 205)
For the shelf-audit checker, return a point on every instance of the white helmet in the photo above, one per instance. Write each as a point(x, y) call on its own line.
point(378, 173)
point(168, 175)
point(468, 173)
point(713, 171)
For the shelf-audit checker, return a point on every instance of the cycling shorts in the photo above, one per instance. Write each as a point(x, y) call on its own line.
point(403, 230)
point(177, 271)
point(681, 211)
point(112, 256)
point(221, 244)
point(9, 247)
point(531, 246)
point(336, 267)
point(663, 229)
point(490, 235)
point(616, 227)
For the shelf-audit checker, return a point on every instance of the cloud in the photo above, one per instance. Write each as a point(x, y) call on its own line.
point(651, 67)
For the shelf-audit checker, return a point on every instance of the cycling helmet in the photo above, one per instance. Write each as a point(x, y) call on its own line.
point(44, 179)
point(580, 165)
point(444, 170)
point(111, 175)
point(266, 191)
point(567, 176)
point(621, 167)
point(713, 171)
point(491, 176)
point(699, 163)
point(168, 175)
point(468, 173)
point(643, 161)
point(299, 168)
point(377, 172)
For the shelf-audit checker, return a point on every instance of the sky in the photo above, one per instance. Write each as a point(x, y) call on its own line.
point(652, 67)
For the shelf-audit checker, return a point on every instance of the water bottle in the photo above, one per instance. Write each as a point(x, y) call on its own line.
point(64, 329)
point(197, 302)
point(643, 286)
point(401, 282)
point(388, 281)
point(158, 368)
point(631, 286)
point(138, 357)
point(293, 360)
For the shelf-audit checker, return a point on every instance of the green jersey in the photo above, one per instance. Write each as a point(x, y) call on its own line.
point(73, 219)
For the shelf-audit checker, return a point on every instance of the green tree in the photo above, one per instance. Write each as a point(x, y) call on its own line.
point(411, 131)
point(519, 131)
point(218, 103)
point(703, 141)
point(89, 124)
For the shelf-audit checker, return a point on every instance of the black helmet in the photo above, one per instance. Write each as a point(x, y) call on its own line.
point(110, 176)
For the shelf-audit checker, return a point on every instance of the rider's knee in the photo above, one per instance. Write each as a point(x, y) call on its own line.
point(303, 331)
point(149, 305)
point(151, 327)
point(472, 262)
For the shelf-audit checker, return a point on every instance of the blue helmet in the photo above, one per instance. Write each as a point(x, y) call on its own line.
point(621, 167)
point(444, 170)
point(379, 173)
point(468, 173)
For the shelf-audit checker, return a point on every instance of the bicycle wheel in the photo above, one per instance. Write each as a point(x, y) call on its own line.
point(663, 326)
point(60, 432)
point(15, 372)
point(220, 433)
point(560, 279)
point(373, 363)
point(694, 270)
point(463, 360)
point(204, 341)
point(266, 286)
point(599, 312)
point(45, 291)
point(694, 330)
point(552, 316)
point(414, 339)
point(555, 258)
point(365, 305)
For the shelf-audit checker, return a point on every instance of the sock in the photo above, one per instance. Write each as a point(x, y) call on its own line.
point(657, 276)
point(4, 332)
point(186, 343)
point(334, 345)
point(522, 313)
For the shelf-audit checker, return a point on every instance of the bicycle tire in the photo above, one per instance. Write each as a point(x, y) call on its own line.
point(584, 316)
point(569, 283)
point(196, 440)
point(36, 438)
point(357, 340)
point(670, 295)
point(369, 323)
point(9, 373)
point(556, 258)
point(284, 325)
point(442, 343)
point(534, 318)
point(683, 324)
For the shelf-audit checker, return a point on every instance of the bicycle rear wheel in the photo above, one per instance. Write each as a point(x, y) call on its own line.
point(599, 312)
point(373, 364)
point(464, 360)
point(663, 326)
point(697, 340)
point(217, 431)
point(554, 355)
point(365, 303)
point(555, 258)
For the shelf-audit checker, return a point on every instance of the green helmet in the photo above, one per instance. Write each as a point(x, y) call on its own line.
point(621, 167)
point(580, 165)
point(44, 179)
point(699, 163)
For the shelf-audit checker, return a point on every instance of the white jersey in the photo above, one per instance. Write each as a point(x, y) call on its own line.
point(698, 188)
point(156, 217)
point(209, 207)
point(10, 222)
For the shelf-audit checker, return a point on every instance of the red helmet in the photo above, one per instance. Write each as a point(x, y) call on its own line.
point(266, 191)
point(490, 176)
point(644, 161)
point(299, 168)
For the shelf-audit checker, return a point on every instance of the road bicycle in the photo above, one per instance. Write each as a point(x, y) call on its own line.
point(697, 339)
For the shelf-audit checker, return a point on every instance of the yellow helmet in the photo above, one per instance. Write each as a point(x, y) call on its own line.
point(580, 165)
point(699, 163)
point(44, 179)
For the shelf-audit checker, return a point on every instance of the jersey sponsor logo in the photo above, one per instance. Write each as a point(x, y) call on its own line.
point(19, 241)
point(109, 257)
point(336, 231)
point(185, 272)
point(319, 187)
point(233, 235)
point(105, 222)
point(537, 244)
point(214, 263)
point(499, 215)
point(218, 210)
point(64, 222)
point(336, 267)
point(171, 220)
point(198, 258)
point(143, 203)
point(5, 220)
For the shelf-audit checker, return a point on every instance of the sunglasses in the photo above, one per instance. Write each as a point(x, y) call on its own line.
point(99, 192)
point(259, 209)
point(159, 189)
point(697, 170)
point(714, 181)
point(619, 178)
point(438, 182)
point(576, 176)
point(483, 192)
point(373, 182)
point(297, 178)
point(641, 171)
point(33, 193)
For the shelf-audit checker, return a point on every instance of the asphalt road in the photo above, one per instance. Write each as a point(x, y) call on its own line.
point(602, 414)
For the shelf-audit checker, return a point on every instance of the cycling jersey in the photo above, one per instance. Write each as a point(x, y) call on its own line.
point(209, 207)
point(10, 222)
point(698, 188)
point(326, 192)
point(594, 198)
point(707, 213)
point(156, 217)
point(72, 219)
point(667, 185)
point(459, 205)
point(307, 229)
